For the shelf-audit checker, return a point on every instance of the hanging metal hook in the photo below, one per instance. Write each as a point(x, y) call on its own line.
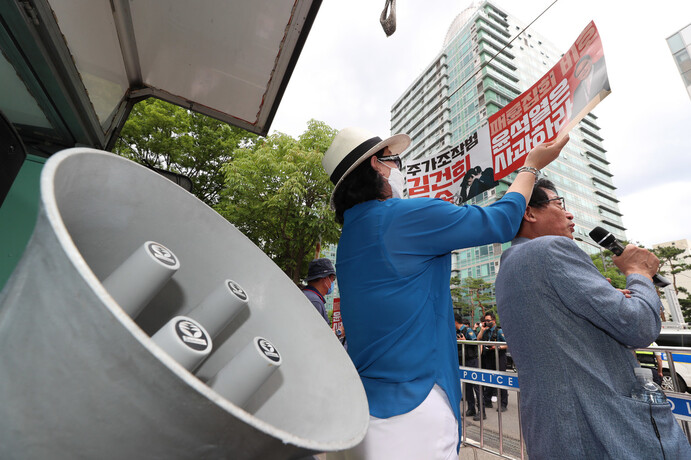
point(389, 23)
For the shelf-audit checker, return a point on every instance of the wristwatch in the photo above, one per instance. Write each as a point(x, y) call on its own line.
point(529, 169)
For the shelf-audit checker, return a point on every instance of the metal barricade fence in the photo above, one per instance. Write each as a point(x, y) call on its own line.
point(510, 445)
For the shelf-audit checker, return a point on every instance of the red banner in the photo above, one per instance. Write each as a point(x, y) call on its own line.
point(552, 106)
point(336, 321)
point(549, 109)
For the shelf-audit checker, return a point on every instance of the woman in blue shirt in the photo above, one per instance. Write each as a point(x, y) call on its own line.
point(394, 267)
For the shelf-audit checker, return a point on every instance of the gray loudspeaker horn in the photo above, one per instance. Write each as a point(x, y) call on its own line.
point(80, 378)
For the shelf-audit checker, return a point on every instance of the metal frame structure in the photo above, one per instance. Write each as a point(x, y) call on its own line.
point(46, 41)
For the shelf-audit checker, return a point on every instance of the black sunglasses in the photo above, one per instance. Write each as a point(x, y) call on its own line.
point(395, 158)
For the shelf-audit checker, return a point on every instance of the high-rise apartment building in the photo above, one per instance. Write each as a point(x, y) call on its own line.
point(680, 46)
point(453, 97)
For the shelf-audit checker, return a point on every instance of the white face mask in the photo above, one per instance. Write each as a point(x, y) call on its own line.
point(396, 181)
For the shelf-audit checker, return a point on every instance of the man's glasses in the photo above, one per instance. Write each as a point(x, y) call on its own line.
point(395, 158)
point(562, 202)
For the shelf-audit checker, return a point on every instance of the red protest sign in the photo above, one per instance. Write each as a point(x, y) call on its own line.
point(336, 321)
point(547, 110)
point(552, 106)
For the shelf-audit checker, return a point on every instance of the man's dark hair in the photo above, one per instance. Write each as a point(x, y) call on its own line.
point(458, 318)
point(537, 199)
point(490, 314)
point(364, 183)
point(539, 196)
point(466, 321)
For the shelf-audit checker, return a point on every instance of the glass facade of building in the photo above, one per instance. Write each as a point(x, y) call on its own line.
point(680, 46)
point(453, 97)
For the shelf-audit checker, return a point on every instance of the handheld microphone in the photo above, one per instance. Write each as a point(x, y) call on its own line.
point(610, 242)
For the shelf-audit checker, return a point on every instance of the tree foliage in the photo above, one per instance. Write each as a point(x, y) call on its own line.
point(685, 305)
point(460, 304)
point(609, 270)
point(471, 294)
point(277, 193)
point(673, 261)
point(161, 135)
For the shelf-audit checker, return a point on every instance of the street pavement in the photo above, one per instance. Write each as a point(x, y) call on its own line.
point(510, 431)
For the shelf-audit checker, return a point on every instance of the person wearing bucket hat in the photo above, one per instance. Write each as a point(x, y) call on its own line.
point(320, 282)
point(394, 268)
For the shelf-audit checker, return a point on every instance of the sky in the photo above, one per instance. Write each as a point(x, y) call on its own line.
point(350, 74)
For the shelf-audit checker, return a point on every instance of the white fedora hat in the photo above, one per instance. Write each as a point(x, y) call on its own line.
point(352, 146)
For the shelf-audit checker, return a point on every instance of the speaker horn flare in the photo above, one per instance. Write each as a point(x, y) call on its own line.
point(83, 379)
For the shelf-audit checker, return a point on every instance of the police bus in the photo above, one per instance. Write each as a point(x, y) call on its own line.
point(671, 337)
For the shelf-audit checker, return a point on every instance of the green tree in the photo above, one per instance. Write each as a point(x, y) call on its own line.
point(470, 295)
point(673, 261)
point(164, 136)
point(685, 304)
point(609, 270)
point(460, 304)
point(277, 193)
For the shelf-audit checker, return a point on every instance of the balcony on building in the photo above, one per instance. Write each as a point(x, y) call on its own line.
point(603, 184)
point(590, 124)
point(610, 210)
point(607, 194)
point(600, 169)
point(486, 33)
point(587, 129)
point(611, 223)
point(486, 21)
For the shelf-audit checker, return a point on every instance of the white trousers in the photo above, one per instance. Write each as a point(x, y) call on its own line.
point(428, 432)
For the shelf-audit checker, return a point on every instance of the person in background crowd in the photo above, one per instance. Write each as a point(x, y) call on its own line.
point(571, 335)
point(394, 269)
point(320, 282)
point(658, 373)
point(462, 331)
point(471, 391)
point(490, 332)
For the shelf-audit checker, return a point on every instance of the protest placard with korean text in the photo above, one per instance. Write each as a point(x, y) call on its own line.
point(456, 174)
point(546, 111)
point(552, 106)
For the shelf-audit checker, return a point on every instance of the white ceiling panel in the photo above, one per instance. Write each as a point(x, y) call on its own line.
point(228, 59)
point(89, 30)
